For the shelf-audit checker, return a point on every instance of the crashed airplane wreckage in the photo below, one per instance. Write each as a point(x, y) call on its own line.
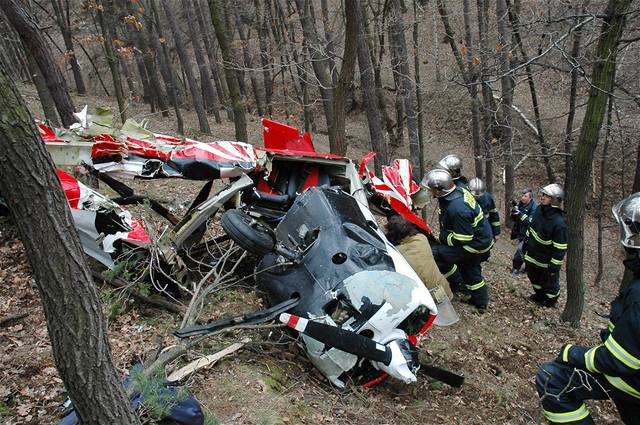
point(327, 268)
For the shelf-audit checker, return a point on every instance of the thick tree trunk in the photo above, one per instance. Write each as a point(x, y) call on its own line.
point(33, 39)
point(367, 82)
point(209, 94)
point(265, 59)
point(196, 95)
point(128, 76)
point(505, 104)
point(339, 146)
point(487, 96)
point(473, 92)
point(77, 328)
point(106, 7)
point(601, 81)
point(65, 28)
point(416, 72)
point(514, 13)
point(222, 34)
point(48, 105)
point(400, 66)
point(568, 134)
point(328, 37)
point(248, 61)
point(319, 60)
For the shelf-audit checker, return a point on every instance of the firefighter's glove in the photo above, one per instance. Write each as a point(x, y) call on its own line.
point(563, 355)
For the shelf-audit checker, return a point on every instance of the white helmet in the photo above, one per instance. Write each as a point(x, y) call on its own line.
point(438, 182)
point(453, 164)
point(476, 187)
point(627, 214)
point(555, 192)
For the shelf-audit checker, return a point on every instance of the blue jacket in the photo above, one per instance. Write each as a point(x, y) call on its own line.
point(490, 211)
point(618, 357)
point(522, 218)
point(463, 224)
point(546, 241)
point(462, 182)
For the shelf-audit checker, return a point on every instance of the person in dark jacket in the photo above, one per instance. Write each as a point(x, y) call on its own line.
point(610, 370)
point(465, 236)
point(521, 215)
point(453, 164)
point(488, 205)
point(545, 246)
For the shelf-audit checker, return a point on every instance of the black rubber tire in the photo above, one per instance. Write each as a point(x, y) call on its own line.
point(249, 234)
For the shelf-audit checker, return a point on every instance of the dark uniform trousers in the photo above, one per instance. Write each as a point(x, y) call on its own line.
point(564, 388)
point(462, 267)
point(545, 284)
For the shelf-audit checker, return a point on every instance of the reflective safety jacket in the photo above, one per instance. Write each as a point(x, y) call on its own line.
point(522, 218)
point(546, 238)
point(463, 224)
point(490, 211)
point(618, 357)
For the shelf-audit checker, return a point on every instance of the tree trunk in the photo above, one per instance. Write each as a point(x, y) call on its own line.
point(248, 62)
point(112, 59)
point(400, 66)
point(514, 13)
point(33, 39)
point(416, 72)
point(128, 76)
point(265, 59)
point(473, 92)
point(487, 96)
point(601, 80)
point(77, 328)
point(48, 105)
point(196, 95)
point(367, 81)
point(568, 134)
point(506, 83)
point(339, 146)
point(318, 60)
point(209, 94)
point(221, 88)
point(222, 34)
point(328, 37)
point(65, 28)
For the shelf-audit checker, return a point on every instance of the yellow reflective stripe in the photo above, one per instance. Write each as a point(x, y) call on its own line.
point(478, 219)
point(611, 326)
point(461, 237)
point(550, 295)
point(494, 210)
point(619, 383)
point(476, 286)
point(523, 217)
point(534, 261)
point(565, 353)
point(536, 286)
point(590, 359)
point(621, 354)
point(563, 418)
point(556, 262)
point(478, 251)
point(450, 239)
point(495, 223)
point(539, 239)
point(452, 271)
point(559, 245)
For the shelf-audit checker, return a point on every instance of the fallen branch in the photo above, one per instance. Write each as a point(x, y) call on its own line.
point(6, 320)
point(205, 361)
point(121, 283)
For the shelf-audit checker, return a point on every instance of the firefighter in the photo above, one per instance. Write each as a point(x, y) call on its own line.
point(521, 215)
point(545, 246)
point(453, 164)
point(609, 370)
point(488, 205)
point(465, 236)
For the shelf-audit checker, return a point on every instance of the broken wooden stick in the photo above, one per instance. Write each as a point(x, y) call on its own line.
point(205, 361)
point(7, 320)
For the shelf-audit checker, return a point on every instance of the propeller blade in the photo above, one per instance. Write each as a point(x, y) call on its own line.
point(339, 338)
point(442, 375)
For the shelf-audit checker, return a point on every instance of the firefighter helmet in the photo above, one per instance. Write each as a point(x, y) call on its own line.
point(439, 182)
point(476, 187)
point(555, 192)
point(627, 214)
point(453, 164)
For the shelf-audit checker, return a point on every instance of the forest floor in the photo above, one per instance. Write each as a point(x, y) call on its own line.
point(270, 382)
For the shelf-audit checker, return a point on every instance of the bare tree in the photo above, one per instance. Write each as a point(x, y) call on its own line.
point(601, 81)
point(63, 19)
point(76, 325)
